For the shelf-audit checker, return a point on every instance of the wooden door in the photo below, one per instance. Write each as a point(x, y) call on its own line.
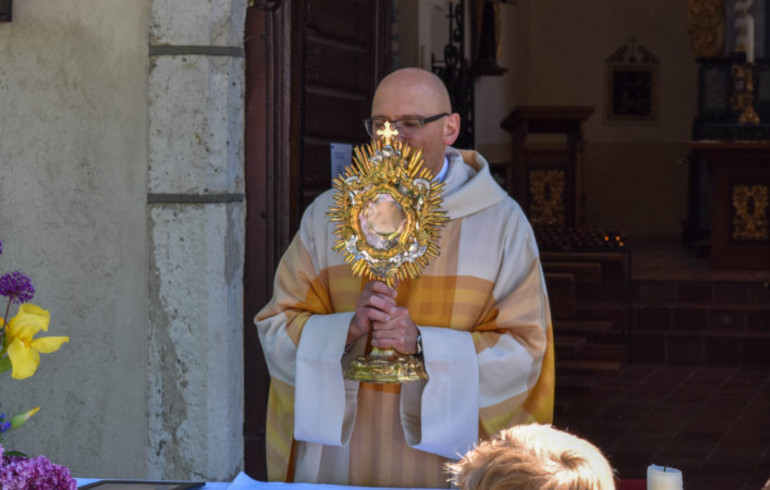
point(267, 153)
point(311, 70)
point(343, 53)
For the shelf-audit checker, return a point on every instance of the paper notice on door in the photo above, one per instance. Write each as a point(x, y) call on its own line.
point(342, 153)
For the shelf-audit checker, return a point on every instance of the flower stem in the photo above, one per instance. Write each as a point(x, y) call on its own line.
point(5, 321)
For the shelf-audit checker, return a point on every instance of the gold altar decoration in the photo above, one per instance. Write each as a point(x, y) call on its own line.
point(707, 27)
point(751, 205)
point(743, 93)
point(387, 210)
point(547, 187)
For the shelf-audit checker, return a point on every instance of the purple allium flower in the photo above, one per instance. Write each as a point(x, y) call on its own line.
point(16, 286)
point(1, 246)
point(19, 473)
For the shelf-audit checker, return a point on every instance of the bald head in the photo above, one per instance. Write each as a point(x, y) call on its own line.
point(419, 94)
point(420, 82)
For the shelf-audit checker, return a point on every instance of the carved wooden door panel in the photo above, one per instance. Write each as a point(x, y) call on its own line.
point(343, 53)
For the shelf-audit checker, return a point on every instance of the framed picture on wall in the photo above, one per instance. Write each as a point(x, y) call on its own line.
point(632, 93)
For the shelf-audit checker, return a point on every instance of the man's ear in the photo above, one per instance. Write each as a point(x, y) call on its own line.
point(451, 128)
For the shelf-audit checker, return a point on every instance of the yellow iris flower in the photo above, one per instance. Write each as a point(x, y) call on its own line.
point(23, 349)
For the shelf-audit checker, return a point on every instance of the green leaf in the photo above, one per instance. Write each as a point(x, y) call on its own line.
point(16, 453)
point(5, 363)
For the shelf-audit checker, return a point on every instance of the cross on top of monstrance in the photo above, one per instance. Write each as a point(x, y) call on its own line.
point(387, 133)
point(387, 210)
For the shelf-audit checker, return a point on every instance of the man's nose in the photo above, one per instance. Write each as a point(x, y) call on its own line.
point(401, 136)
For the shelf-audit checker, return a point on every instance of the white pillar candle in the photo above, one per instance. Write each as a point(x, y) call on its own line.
point(749, 39)
point(663, 478)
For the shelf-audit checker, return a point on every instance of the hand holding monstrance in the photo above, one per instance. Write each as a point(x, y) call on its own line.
point(388, 224)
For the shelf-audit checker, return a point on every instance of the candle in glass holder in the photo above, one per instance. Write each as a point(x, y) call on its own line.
point(663, 478)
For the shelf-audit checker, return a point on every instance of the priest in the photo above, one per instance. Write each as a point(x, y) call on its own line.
point(478, 316)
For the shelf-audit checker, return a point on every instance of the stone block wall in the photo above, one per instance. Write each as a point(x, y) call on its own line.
point(196, 219)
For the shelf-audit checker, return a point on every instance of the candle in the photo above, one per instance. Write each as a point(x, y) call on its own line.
point(749, 39)
point(663, 478)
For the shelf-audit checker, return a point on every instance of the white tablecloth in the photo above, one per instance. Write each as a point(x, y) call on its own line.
point(244, 482)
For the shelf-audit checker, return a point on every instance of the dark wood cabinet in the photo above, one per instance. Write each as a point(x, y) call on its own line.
point(740, 201)
point(544, 174)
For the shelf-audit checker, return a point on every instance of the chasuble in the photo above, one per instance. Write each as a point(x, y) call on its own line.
point(483, 314)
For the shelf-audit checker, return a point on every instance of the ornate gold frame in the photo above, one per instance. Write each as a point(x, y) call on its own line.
point(750, 203)
point(394, 170)
point(546, 211)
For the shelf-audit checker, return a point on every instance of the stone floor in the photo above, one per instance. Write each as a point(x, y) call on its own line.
point(713, 423)
point(710, 421)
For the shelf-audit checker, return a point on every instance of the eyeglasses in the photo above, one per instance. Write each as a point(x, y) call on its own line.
point(405, 127)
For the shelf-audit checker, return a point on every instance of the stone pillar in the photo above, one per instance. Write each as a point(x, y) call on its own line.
point(196, 207)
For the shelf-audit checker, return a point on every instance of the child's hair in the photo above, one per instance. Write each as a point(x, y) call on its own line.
point(536, 457)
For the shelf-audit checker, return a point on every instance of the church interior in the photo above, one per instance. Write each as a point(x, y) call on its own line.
point(635, 136)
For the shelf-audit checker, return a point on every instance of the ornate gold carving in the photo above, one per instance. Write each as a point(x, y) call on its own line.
point(751, 209)
point(707, 27)
point(547, 187)
point(743, 93)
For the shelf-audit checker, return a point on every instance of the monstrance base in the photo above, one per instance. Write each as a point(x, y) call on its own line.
point(401, 369)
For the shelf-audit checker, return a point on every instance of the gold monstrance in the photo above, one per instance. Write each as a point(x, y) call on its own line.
point(386, 207)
